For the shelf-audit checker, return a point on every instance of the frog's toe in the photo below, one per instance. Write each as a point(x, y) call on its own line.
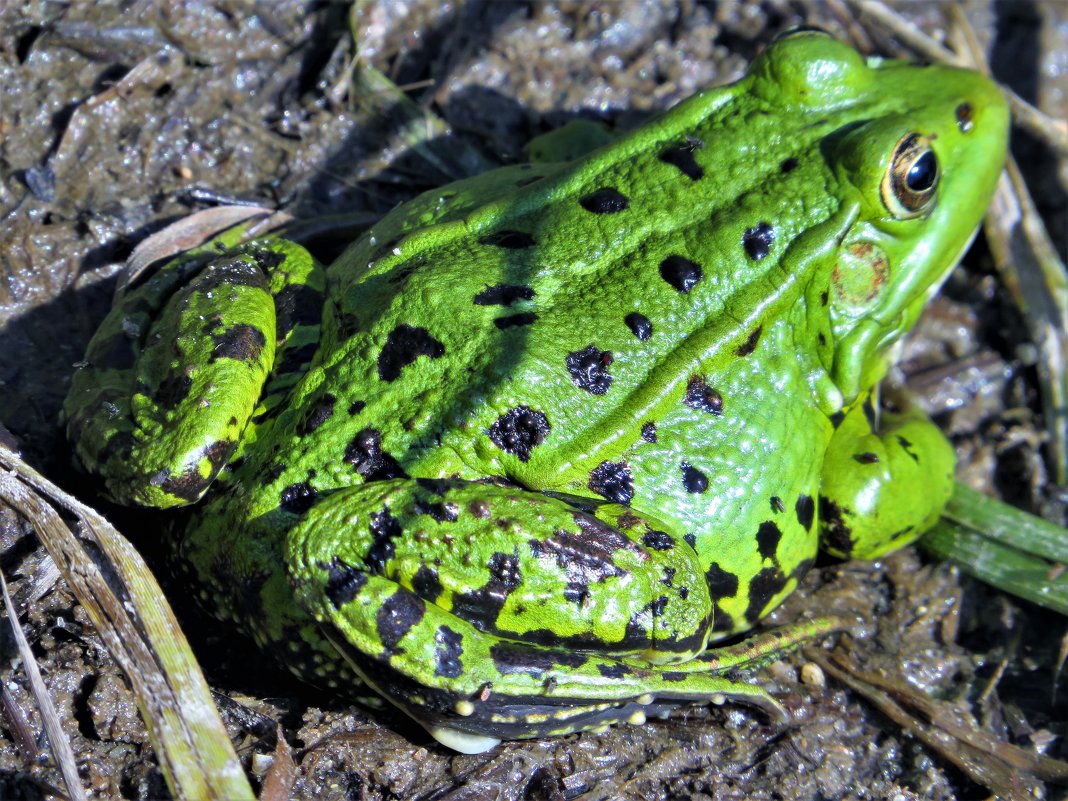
point(463, 742)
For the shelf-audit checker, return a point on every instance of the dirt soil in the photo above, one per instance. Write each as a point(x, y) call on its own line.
point(118, 118)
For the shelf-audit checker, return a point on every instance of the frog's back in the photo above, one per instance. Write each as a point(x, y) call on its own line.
point(527, 322)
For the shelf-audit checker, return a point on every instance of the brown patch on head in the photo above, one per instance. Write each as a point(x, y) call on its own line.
point(859, 275)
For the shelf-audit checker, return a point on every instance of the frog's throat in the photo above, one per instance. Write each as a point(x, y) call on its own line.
point(858, 356)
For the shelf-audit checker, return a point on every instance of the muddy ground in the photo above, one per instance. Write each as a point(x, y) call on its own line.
point(116, 119)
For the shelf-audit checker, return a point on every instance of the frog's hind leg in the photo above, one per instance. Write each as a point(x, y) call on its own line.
point(178, 367)
point(502, 613)
point(471, 689)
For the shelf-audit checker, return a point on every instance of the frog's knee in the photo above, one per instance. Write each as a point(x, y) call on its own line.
point(171, 379)
point(882, 491)
point(519, 565)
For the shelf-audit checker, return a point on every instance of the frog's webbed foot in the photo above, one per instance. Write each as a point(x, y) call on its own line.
point(882, 489)
point(178, 367)
point(504, 613)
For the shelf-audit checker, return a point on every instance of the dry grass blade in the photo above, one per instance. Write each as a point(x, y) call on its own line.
point(17, 726)
point(1052, 132)
point(57, 739)
point(127, 607)
point(986, 761)
point(282, 775)
point(940, 715)
point(1035, 275)
point(411, 127)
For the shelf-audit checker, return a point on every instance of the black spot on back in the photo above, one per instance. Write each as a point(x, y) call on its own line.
point(613, 480)
point(448, 652)
point(789, 165)
point(806, 511)
point(835, 531)
point(681, 273)
point(511, 240)
point(649, 432)
point(503, 295)
point(693, 479)
point(750, 344)
point(241, 342)
point(639, 325)
point(366, 455)
point(757, 240)
point(384, 530)
point(439, 511)
point(298, 498)
point(404, 345)
point(589, 369)
point(702, 397)
point(605, 201)
point(906, 446)
point(514, 320)
point(721, 583)
point(318, 414)
point(764, 586)
point(397, 615)
point(518, 431)
point(681, 156)
point(190, 485)
point(343, 582)
point(616, 671)
point(768, 536)
point(426, 583)
point(296, 304)
point(482, 606)
point(658, 540)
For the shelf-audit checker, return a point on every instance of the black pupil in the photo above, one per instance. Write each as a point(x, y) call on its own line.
point(922, 173)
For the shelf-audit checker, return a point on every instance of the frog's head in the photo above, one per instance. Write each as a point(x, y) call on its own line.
point(915, 153)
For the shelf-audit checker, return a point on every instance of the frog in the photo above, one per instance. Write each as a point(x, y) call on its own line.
point(538, 440)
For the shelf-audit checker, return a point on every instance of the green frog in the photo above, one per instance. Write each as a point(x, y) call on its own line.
point(539, 437)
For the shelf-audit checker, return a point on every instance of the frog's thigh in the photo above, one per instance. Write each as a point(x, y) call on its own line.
point(491, 610)
point(176, 371)
point(881, 491)
point(518, 565)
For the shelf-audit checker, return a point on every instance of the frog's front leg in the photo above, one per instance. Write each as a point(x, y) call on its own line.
point(179, 366)
point(881, 489)
point(490, 612)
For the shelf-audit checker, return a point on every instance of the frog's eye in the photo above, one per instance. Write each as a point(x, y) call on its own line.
point(910, 183)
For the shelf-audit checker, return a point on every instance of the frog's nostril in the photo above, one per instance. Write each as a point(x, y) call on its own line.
point(964, 115)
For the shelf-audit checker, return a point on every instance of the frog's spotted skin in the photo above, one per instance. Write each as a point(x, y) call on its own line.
point(541, 435)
